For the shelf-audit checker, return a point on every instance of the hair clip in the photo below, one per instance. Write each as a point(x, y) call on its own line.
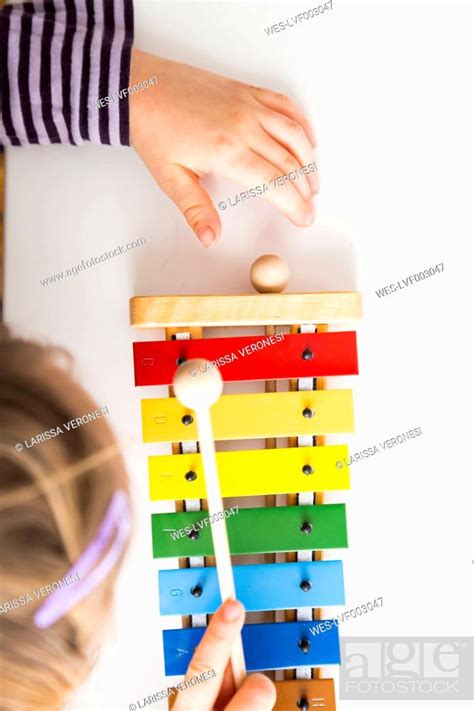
point(117, 518)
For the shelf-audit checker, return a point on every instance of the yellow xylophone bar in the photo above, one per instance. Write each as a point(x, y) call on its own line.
point(252, 415)
point(245, 310)
point(251, 472)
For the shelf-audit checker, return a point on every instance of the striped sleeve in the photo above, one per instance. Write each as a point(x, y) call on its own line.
point(63, 66)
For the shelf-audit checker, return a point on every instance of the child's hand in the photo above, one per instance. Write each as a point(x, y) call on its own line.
point(213, 654)
point(193, 123)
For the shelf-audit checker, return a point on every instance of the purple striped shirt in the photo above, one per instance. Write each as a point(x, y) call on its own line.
point(59, 63)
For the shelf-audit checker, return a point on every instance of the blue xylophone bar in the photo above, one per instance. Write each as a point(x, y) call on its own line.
point(279, 645)
point(276, 586)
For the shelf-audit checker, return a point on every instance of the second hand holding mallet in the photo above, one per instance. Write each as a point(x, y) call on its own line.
point(198, 385)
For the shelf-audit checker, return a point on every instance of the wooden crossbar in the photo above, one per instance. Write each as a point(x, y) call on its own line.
point(248, 310)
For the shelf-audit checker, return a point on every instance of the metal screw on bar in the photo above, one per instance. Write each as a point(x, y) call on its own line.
point(307, 469)
point(304, 645)
point(305, 585)
point(187, 419)
point(190, 476)
point(193, 535)
point(307, 354)
point(308, 412)
point(303, 703)
point(181, 360)
point(306, 527)
point(196, 591)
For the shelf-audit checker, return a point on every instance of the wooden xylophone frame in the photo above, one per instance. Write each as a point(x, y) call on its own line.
point(185, 317)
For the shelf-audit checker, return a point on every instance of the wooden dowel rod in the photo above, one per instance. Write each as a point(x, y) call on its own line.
point(198, 385)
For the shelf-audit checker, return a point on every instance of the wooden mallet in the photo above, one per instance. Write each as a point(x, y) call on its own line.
point(198, 385)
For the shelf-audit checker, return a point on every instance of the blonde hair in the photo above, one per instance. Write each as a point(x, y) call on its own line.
point(53, 496)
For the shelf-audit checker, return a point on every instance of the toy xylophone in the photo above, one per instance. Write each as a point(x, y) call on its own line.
point(293, 365)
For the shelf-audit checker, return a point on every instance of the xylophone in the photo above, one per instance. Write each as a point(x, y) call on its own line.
point(286, 541)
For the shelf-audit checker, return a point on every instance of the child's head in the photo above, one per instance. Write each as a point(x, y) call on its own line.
point(53, 497)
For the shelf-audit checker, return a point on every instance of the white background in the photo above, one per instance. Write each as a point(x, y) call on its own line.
point(387, 87)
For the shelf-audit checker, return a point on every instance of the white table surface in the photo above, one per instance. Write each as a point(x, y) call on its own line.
point(387, 88)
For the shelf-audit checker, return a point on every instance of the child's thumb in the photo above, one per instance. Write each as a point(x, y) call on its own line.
point(185, 190)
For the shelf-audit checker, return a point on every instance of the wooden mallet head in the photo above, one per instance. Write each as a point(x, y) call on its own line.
point(198, 384)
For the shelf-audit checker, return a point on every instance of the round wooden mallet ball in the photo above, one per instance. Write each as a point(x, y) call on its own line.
point(269, 274)
point(197, 384)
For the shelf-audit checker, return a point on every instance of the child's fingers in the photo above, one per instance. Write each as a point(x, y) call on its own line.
point(265, 146)
point(185, 190)
point(291, 135)
point(283, 105)
point(212, 654)
point(227, 689)
point(255, 172)
point(257, 693)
